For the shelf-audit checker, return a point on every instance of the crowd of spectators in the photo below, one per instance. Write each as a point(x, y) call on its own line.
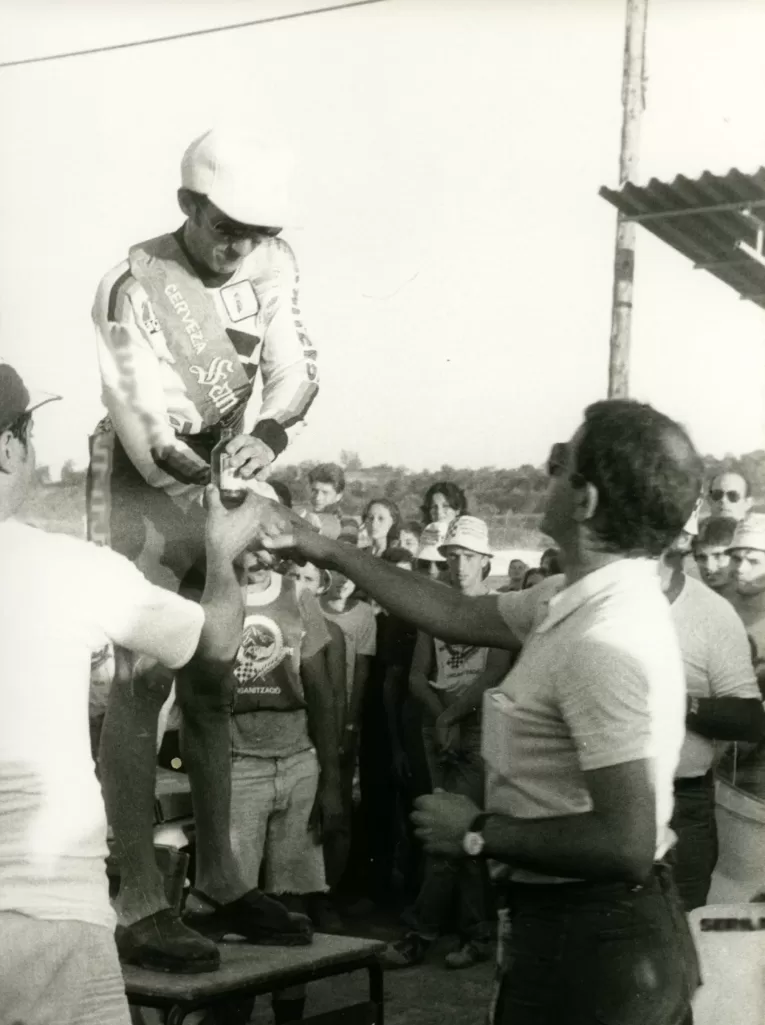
point(406, 710)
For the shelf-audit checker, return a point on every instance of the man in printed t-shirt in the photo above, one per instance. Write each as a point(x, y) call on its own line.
point(183, 325)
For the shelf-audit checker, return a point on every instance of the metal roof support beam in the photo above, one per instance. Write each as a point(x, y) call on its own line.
point(754, 254)
point(657, 215)
point(714, 264)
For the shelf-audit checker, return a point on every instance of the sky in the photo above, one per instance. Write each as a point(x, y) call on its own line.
point(456, 259)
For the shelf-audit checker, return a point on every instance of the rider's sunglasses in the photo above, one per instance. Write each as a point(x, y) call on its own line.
point(237, 232)
point(233, 230)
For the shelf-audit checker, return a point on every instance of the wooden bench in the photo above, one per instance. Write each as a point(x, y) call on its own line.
point(248, 970)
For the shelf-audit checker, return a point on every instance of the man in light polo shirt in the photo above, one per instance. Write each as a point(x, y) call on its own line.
point(723, 703)
point(582, 739)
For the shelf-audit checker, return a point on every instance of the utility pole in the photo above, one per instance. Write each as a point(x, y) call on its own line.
point(624, 256)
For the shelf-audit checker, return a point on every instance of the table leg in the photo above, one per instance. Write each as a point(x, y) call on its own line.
point(376, 991)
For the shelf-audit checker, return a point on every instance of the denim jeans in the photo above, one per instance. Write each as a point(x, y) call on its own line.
point(447, 879)
point(595, 954)
point(694, 856)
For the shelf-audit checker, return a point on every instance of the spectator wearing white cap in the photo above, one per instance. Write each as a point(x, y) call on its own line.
point(430, 560)
point(183, 325)
point(723, 704)
point(449, 681)
point(747, 556)
point(64, 598)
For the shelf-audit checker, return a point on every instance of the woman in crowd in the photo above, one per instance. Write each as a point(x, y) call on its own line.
point(382, 522)
point(550, 562)
point(443, 502)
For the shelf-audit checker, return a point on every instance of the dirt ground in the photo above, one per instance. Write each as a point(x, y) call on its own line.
point(428, 994)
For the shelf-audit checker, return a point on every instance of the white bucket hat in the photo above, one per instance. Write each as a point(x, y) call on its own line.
point(467, 532)
point(750, 533)
point(431, 538)
point(242, 175)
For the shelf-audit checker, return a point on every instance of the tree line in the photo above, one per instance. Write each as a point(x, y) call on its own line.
point(493, 492)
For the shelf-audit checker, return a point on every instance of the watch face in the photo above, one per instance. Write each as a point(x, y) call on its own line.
point(473, 844)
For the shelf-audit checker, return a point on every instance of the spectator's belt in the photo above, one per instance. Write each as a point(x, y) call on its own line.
point(694, 782)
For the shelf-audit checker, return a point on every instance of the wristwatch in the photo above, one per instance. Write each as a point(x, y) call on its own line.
point(473, 841)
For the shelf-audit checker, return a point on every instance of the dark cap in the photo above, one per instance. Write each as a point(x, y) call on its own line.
point(15, 397)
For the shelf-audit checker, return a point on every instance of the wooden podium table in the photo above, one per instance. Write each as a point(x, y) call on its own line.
point(248, 970)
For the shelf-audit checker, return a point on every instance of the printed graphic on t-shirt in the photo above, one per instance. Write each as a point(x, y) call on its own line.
point(458, 654)
point(262, 648)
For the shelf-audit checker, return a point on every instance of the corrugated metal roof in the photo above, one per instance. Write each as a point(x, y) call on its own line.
point(705, 219)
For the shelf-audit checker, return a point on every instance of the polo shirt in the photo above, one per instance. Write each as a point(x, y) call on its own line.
point(716, 660)
point(599, 682)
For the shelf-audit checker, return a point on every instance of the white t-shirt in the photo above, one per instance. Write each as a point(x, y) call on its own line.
point(717, 662)
point(599, 682)
point(61, 600)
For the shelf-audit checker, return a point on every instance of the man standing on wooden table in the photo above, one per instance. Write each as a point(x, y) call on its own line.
point(182, 327)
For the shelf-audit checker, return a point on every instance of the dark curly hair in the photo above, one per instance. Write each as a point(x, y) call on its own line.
point(647, 473)
point(552, 557)
point(453, 494)
point(716, 531)
point(328, 473)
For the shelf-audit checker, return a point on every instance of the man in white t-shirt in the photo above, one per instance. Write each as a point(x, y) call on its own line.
point(723, 703)
point(64, 599)
point(582, 739)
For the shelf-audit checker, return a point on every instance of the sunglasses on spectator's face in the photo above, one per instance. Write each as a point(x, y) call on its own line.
point(718, 494)
point(427, 564)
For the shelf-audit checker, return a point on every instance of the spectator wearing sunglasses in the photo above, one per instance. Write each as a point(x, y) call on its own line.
point(183, 325)
point(729, 494)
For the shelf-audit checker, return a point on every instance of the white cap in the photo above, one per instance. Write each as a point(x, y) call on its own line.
point(467, 532)
point(430, 540)
point(243, 176)
point(750, 533)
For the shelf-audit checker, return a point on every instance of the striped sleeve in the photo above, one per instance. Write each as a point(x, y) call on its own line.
point(288, 360)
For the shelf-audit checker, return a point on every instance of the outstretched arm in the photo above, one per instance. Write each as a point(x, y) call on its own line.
point(437, 610)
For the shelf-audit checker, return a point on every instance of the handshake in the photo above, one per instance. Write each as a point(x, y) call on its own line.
point(258, 524)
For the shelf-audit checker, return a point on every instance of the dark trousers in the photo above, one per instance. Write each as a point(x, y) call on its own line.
point(377, 783)
point(447, 880)
point(694, 856)
point(595, 954)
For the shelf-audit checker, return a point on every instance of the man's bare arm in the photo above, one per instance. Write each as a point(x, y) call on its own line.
point(440, 611)
point(616, 840)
